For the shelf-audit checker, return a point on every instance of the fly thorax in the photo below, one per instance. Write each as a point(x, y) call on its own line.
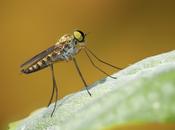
point(65, 38)
point(69, 50)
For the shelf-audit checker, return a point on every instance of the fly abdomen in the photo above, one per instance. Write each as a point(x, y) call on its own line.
point(37, 66)
point(41, 64)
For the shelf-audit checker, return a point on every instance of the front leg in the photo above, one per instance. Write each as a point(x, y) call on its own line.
point(79, 72)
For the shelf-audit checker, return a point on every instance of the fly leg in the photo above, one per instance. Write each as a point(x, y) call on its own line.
point(79, 72)
point(56, 89)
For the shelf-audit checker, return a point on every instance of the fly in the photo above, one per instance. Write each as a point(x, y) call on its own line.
point(65, 49)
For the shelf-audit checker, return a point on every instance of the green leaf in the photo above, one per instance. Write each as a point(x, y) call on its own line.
point(142, 93)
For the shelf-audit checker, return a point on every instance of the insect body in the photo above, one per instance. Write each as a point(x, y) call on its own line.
point(65, 49)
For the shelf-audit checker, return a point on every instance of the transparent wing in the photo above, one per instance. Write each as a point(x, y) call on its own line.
point(39, 56)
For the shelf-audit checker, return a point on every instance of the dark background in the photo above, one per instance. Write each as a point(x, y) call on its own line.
point(120, 31)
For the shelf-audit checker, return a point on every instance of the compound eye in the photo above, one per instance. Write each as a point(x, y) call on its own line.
point(79, 35)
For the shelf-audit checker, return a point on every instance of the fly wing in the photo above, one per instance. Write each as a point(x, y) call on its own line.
point(59, 45)
point(39, 56)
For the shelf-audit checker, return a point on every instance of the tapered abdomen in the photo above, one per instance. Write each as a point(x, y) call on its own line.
point(45, 62)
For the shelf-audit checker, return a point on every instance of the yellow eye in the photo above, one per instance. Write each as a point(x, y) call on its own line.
point(79, 35)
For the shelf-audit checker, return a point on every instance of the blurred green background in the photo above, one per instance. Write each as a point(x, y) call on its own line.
point(120, 31)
